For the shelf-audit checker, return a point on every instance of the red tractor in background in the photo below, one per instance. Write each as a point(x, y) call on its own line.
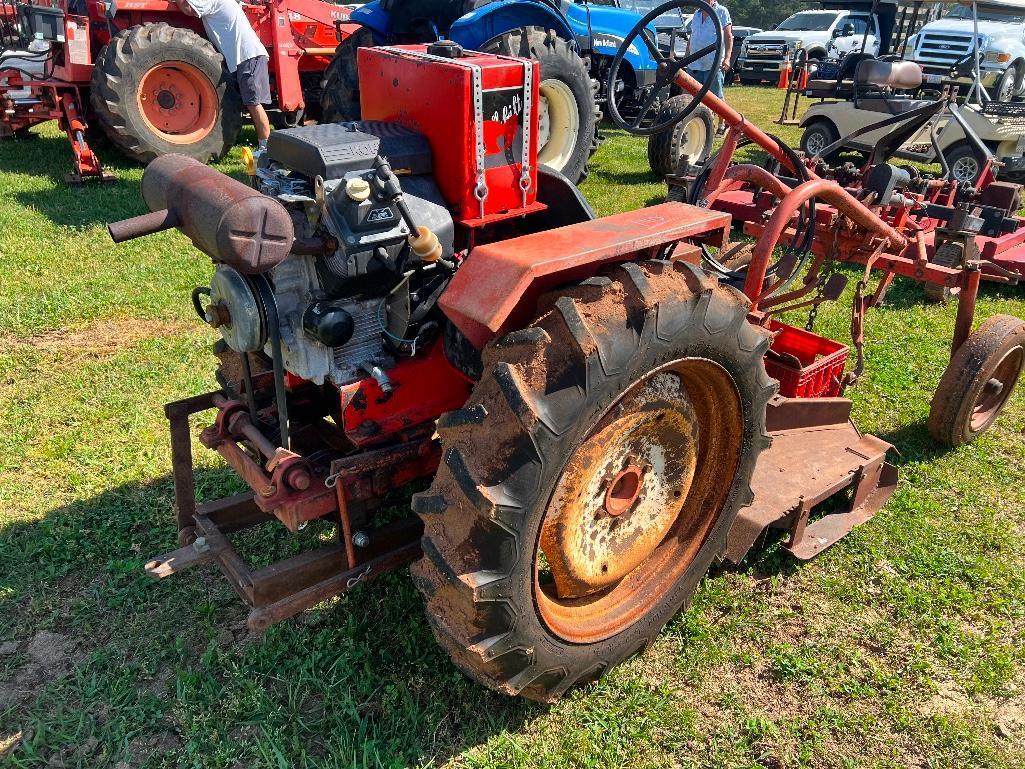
point(144, 72)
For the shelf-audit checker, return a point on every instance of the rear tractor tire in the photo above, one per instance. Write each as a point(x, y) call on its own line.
point(689, 140)
point(978, 381)
point(158, 89)
point(592, 477)
point(339, 98)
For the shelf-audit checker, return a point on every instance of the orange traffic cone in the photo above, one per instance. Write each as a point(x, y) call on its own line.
point(802, 79)
point(784, 72)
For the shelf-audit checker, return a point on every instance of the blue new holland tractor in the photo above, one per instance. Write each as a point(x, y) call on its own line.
point(573, 43)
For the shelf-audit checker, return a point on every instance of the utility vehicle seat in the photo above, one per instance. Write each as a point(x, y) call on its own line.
point(905, 75)
point(892, 105)
point(842, 86)
point(873, 73)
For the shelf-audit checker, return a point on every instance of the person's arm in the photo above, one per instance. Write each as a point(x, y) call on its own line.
point(727, 33)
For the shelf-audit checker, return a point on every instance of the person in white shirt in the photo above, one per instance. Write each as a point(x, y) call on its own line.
point(245, 56)
point(702, 35)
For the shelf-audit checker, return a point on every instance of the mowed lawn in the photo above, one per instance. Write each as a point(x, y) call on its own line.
point(902, 646)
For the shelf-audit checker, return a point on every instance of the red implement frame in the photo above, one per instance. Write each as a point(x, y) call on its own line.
point(300, 36)
point(847, 229)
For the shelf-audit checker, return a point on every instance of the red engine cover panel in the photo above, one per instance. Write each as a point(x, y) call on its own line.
point(435, 97)
point(422, 389)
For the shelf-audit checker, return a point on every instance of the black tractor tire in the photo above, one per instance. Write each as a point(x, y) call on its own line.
point(690, 139)
point(548, 394)
point(978, 381)
point(339, 98)
point(965, 161)
point(564, 77)
point(817, 137)
point(118, 78)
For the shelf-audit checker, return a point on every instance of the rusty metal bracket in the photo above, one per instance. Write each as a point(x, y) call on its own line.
point(288, 587)
point(816, 453)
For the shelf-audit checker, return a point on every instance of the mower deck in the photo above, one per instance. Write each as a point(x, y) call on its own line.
point(816, 453)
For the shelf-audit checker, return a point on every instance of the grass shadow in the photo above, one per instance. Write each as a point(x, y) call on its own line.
point(48, 159)
point(146, 664)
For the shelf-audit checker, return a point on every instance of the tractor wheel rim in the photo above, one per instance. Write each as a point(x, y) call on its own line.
point(558, 123)
point(816, 143)
point(637, 499)
point(694, 137)
point(998, 389)
point(178, 102)
point(965, 169)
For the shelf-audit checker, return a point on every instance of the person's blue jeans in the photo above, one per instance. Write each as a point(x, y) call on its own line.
point(701, 75)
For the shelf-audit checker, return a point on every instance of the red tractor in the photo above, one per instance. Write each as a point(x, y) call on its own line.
point(411, 298)
point(145, 73)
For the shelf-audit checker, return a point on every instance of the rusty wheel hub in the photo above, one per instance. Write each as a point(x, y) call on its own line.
point(630, 511)
point(997, 389)
point(622, 489)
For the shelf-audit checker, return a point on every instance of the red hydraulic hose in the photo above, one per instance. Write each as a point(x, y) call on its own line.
point(748, 172)
point(830, 192)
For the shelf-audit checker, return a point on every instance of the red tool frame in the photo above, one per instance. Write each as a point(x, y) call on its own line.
point(300, 36)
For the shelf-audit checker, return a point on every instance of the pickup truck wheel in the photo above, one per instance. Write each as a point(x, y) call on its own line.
point(1009, 84)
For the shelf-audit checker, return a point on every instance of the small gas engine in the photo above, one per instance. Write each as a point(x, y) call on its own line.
point(328, 267)
point(356, 293)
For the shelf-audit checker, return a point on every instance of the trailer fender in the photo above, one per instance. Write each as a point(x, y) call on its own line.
point(486, 23)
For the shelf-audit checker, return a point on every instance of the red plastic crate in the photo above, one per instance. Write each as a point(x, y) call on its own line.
point(822, 363)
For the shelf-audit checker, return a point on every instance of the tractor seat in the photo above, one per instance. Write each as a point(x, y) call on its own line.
point(905, 75)
point(890, 105)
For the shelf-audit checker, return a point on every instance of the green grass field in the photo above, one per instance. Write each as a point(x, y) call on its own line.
point(903, 646)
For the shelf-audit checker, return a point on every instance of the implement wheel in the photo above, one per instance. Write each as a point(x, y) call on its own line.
point(158, 89)
point(978, 381)
point(592, 477)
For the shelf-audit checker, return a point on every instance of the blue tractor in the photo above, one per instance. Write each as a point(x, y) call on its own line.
point(574, 44)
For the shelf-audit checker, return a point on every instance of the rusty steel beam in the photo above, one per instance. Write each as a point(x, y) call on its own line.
point(966, 308)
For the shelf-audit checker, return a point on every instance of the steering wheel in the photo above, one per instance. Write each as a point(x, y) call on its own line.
point(668, 67)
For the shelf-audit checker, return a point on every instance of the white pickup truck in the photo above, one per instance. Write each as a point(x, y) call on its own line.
point(761, 55)
point(942, 45)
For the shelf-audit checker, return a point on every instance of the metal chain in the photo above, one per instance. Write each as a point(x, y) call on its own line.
point(825, 273)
